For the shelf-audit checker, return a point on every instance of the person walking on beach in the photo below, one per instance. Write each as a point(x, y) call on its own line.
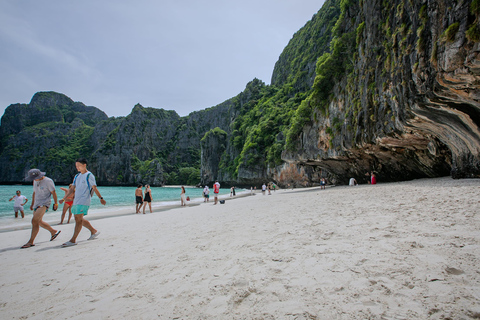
point(216, 191)
point(148, 198)
point(43, 190)
point(206, 195)
point(264, 188)
point(323, 183)
point(20, 201)
point(139, 198)
point(68, 203)
point(183, 200)
point(84, 185)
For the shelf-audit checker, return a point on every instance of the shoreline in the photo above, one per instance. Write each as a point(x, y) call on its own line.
point(405, 250)
point(112, 212)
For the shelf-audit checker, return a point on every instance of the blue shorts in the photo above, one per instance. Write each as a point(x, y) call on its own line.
point(40, 207)
point(80, 209)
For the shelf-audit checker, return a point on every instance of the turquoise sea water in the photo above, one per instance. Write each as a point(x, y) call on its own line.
point(116, 197)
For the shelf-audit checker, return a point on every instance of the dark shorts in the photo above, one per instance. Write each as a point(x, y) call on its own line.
point(138, 199)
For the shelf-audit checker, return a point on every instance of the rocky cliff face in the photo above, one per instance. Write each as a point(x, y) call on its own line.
point(407, 102)
point(147, 146)
point(48, 133)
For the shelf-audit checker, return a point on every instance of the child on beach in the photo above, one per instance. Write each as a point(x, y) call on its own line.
point(68, 203)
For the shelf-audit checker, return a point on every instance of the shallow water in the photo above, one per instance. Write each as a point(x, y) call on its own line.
point(116, 197)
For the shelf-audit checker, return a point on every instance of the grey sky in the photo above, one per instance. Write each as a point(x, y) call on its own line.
point(182, 55)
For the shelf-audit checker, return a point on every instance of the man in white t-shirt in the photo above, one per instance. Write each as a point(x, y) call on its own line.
point(20, 201)
point(43, 190)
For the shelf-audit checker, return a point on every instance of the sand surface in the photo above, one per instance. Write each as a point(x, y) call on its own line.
point(408, 250)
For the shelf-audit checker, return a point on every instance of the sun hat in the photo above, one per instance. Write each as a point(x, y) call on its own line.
point(34, 174)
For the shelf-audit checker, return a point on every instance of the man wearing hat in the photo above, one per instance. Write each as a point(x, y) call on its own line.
point(43, 189)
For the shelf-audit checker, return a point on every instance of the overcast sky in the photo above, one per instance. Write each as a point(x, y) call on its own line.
point(182, 55)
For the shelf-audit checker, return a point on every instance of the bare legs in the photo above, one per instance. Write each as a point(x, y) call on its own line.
point(80, 222)
point(145, 206)
point(65, 208)
point(37, 222)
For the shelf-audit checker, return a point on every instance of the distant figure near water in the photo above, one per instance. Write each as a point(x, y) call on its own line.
point(148, 198)
point(206, 195)
point(139, 198)
point(216, 190)
point(20, 201)
point(183, 200)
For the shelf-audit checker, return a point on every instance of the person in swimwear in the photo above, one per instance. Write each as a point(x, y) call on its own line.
point(139, 198)
point(68, 203)
point(148, 198)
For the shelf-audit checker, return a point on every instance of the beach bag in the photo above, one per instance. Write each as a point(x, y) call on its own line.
point(222, 201)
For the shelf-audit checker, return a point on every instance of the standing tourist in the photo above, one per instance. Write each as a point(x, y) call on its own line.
point(148, 198)
point(264, 187)
point(373, 178)
point(183, 201)
point(84, 185)
point(323, 183)
point(43, 189)
point(216, 190)
point(139, 198)
point(20, 201)
point(206, 195)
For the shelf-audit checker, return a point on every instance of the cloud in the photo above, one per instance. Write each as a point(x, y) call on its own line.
point(183, 55)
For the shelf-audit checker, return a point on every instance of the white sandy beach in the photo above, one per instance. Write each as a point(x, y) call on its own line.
point(408, 250)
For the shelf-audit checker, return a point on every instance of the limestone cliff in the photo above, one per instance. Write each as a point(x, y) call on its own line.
point(406, 104)
point(48, 133)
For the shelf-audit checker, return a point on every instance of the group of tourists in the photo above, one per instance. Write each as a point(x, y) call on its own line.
point(216, 191)
point(77, 199)
point(142, 199)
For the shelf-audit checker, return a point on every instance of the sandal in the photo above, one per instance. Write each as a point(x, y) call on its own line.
point(27, 245)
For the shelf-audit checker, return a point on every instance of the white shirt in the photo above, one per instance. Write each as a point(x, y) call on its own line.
point(43, 190)
point(206, 190)
point(19, 200)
